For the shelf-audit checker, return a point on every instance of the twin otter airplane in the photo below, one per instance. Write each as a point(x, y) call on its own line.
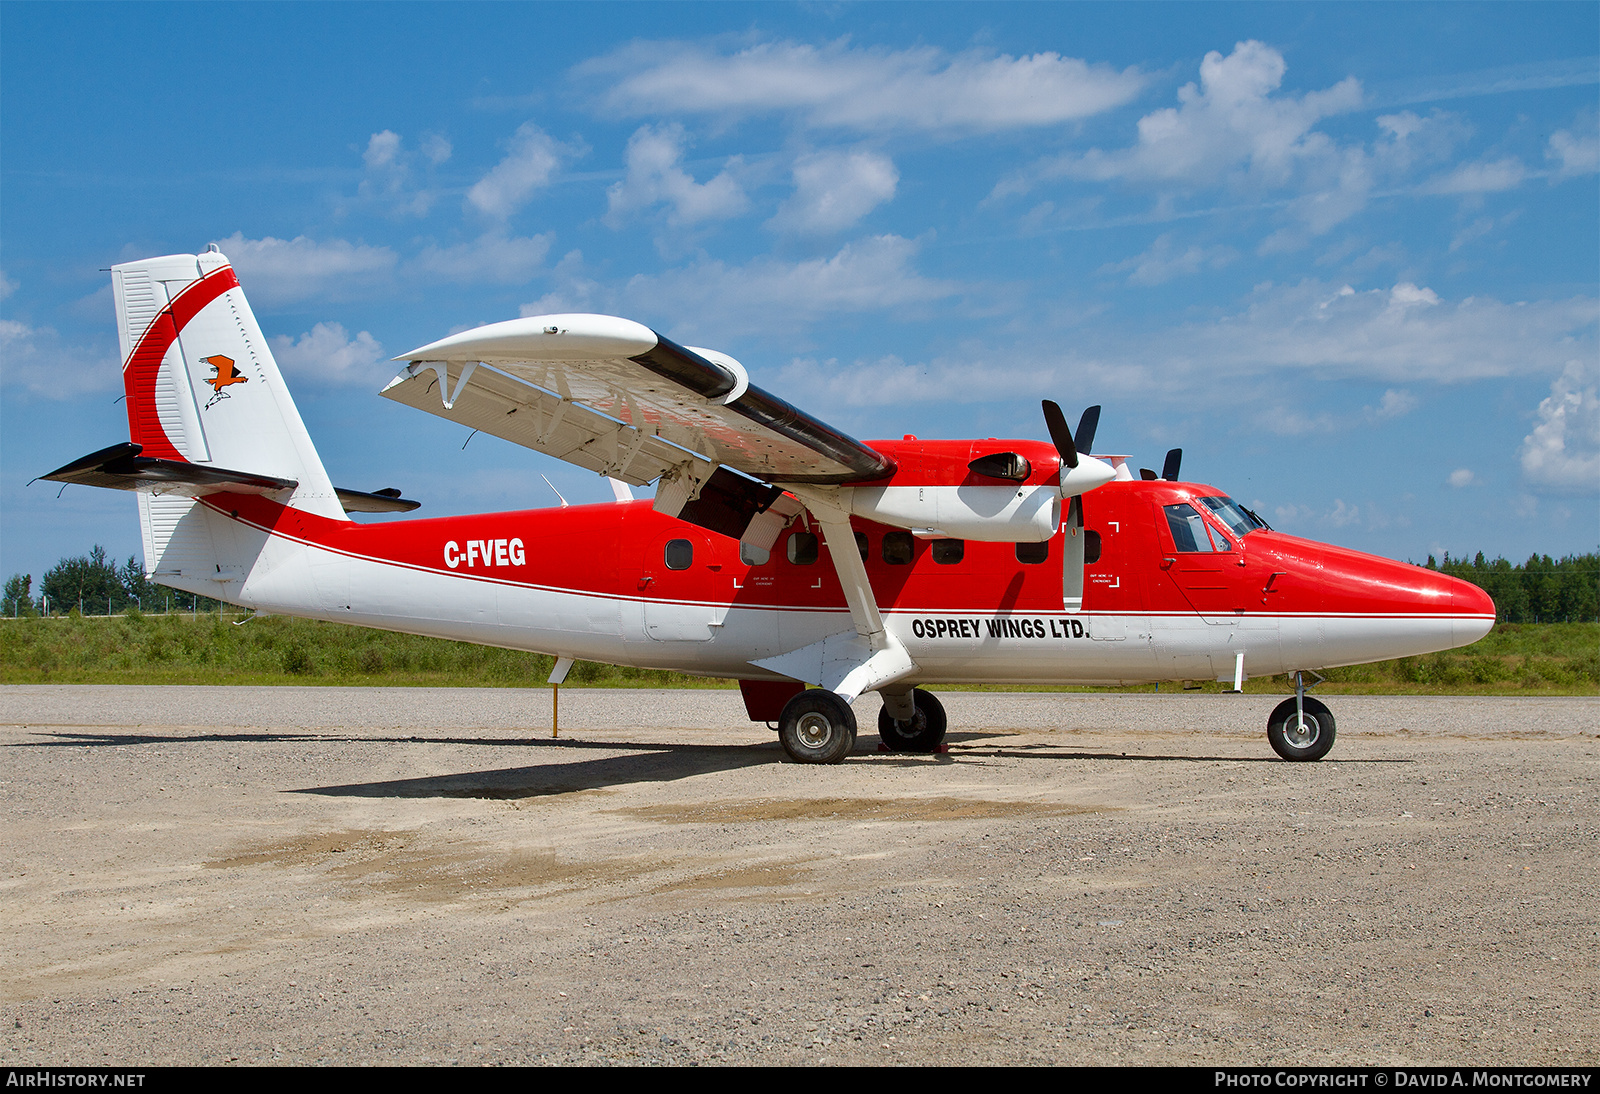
point(777, 551)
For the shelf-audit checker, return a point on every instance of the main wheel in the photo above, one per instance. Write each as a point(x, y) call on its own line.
point(923, 733)
point(817, 727)
point(1294, 738)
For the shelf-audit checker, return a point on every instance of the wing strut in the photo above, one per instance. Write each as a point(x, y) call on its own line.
point(850, 662)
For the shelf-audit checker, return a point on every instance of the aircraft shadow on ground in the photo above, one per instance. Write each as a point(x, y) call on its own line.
point(640, 763)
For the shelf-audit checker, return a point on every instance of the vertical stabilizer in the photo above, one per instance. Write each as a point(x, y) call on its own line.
point(202, 385)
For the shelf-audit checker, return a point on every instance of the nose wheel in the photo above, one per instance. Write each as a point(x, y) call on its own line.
point(1301, 729)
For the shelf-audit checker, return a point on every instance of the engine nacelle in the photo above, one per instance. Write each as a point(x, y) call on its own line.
point(994, 514)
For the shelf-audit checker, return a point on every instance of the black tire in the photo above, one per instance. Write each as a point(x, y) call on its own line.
point(1309, 741)
point(925, 731)
point(817, 727)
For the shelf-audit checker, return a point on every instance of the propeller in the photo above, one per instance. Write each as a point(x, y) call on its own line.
point(1169, 470)
point(1084, 437)
point(1056, 422)
point(1080, 472)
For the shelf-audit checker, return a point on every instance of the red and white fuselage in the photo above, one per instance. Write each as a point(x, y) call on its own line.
point(776, 551)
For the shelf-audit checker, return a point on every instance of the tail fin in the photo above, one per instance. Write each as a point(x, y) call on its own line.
point(202, 385)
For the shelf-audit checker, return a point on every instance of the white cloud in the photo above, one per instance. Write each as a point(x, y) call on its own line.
point(390, 172)
point(492, 257)
point(1478, 178)
point(1230, 123)
point(1563, 451)
point(1342, 514)
point(1462, 476)
point(840, 85)
point(327, 354)
point(435, 148)
point(7, 286)
point(1576, 150)
point(833, 190)
point(383, 150)
point(1394, 404)
point(1405, 333)
point(1471, 233)
point(532, 157)
point(574, 290)
point(767, 294)
point(1161, 263)
point(1235, 128)
point(279, 271)
point(35, 359)
point(656, 177)
point(1288, 421)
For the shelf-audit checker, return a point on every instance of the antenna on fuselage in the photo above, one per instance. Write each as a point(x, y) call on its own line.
point(553, 490)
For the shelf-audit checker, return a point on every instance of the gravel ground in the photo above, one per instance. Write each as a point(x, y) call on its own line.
point(344, 875)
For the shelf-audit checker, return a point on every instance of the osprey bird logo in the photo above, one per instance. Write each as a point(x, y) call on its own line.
point(226, 377)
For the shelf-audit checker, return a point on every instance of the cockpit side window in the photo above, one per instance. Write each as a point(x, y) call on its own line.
point(1188, 528)
point(1190, 532)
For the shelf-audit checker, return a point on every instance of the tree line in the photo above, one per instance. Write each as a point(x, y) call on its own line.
point(94, 585)
point(1541, 590)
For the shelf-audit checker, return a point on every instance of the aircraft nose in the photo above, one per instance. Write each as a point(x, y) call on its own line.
point(1473, 609)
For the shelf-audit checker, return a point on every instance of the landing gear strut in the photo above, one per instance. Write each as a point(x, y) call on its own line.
point(922, 732)
point(817, 727)
point(1301, 728)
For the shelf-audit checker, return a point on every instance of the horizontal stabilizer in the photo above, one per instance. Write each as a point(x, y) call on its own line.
point(378, 501)
point(121, 467)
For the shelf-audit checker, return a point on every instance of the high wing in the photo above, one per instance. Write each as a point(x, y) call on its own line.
point(615, 397)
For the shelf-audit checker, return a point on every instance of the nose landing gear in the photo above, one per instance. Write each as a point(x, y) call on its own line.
point(1301, 728)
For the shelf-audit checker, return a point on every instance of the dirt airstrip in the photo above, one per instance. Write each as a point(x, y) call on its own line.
point(304, 875)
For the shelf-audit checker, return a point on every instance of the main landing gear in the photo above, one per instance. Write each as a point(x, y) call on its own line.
point(923, 731)
point(1301, 728)
point(818, 727)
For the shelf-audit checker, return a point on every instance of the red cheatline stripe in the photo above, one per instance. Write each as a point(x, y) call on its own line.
point(139, 373)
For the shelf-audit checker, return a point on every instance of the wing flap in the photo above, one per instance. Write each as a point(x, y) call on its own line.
point(490, 401)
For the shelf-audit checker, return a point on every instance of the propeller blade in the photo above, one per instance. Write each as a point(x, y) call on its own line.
point(1169, 470)
point(1148, 475)
point(1084, 437)
point(1056, 422)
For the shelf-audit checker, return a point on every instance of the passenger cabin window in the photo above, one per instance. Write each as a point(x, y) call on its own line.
point(802, 548)
point(1190, 532)
point(1031, 554)
point(897, 548)
point(861, 545)
point(948, 552)
point(751, 555)
point(1091, 546)
point(679, 554)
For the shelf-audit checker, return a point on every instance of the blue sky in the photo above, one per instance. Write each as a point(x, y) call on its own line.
point(1346, 256)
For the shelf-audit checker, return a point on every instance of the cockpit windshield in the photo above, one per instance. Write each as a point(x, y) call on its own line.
point(1237, 519)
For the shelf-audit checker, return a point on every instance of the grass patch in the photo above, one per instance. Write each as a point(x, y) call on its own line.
point(1513, 659)
point(212, 649)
